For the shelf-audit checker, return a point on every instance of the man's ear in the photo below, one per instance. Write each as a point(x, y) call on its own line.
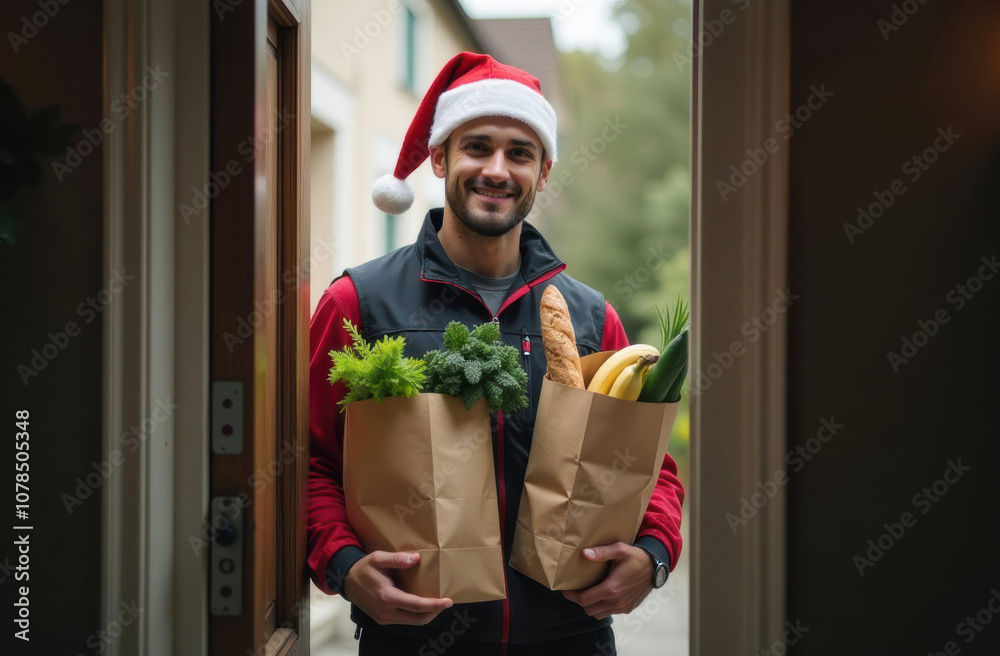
point(437, 157)
point(543, 177)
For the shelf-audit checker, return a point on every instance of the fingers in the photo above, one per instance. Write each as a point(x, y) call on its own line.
point(606, 552)
point(592, 595)
point(400, 616)
point(394, 559)
point(608, 607)
point(371, 587)
point(602, 608)
point(396, 598)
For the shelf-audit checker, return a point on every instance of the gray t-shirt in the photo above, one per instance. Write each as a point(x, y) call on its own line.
point(492, 290)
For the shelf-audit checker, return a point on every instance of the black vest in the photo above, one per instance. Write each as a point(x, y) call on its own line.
point(415, 291)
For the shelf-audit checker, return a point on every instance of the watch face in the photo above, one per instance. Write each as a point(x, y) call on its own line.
point(660, 577)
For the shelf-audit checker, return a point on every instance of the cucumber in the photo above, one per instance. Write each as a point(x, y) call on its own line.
point(666, 370)
point(674, 393)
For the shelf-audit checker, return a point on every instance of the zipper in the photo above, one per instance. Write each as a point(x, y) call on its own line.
point(502, 492)
point(510, 299)
point(505, 634)
point(526, 352)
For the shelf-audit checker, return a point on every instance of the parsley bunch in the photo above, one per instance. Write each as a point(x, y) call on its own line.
point(375, 372)
point(477, 364)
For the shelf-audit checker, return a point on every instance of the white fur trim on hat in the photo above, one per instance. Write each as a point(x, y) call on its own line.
point(392, 195)
point(495, 97)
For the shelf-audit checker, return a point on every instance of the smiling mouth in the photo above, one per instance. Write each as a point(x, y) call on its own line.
point(492, 194)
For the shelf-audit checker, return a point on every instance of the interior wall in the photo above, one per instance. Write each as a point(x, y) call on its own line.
point(52, 327)
point(891, 513)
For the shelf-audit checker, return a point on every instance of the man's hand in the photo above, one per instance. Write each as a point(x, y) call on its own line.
point(369, 585)
point(625, 586)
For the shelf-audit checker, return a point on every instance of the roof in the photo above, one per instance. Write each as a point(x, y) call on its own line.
point(526, 43)
point(466, 24)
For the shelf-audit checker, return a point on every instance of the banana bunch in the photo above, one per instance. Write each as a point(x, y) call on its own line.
point(623, 374)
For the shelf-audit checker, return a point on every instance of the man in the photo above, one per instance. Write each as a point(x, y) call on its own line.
point(491, 135)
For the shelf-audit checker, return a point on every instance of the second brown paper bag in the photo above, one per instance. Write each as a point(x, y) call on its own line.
point(418, 476)
point(593, 465)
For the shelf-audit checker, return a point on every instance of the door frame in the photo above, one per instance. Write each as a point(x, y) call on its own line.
point(239, 112)
point(740, 81)
point(155, 332)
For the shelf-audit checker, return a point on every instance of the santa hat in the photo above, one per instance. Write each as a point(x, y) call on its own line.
point(469, 86)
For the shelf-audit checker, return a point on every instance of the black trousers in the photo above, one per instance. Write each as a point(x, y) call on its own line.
point(595, 643)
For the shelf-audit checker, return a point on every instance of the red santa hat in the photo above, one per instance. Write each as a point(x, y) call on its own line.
point(469, 86)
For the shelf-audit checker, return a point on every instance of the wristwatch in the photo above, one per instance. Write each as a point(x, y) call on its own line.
point(660, 570)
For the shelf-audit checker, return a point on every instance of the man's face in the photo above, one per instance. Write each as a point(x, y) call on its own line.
point(492, 168)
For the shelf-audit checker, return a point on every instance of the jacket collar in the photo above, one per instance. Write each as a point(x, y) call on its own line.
point(537, 257)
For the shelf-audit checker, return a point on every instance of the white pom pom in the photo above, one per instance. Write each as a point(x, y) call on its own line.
point(392, 195)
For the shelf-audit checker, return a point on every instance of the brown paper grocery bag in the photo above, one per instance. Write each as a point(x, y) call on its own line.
point(593, 465)
point(418, 476)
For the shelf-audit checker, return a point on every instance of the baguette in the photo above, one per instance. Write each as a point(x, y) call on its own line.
point(559, 340)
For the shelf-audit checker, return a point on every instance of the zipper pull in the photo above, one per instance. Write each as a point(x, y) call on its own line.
point(525, 342)
point(357, 633)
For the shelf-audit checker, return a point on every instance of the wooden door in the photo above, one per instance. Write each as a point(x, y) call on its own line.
point(260, 312)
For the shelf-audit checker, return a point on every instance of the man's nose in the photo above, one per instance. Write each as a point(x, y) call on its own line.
point(496, 167)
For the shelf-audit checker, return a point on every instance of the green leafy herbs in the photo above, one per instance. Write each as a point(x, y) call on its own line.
point(476, 364)
point(375, 372)
point(672, 322)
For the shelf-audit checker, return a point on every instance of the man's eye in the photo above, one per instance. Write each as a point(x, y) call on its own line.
point(476, 146)
point(521, 152)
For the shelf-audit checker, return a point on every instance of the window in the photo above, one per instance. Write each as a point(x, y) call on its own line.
point(409, 72)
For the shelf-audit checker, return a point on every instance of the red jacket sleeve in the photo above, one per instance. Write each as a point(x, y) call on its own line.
point(662, 519)
point(328, 530)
